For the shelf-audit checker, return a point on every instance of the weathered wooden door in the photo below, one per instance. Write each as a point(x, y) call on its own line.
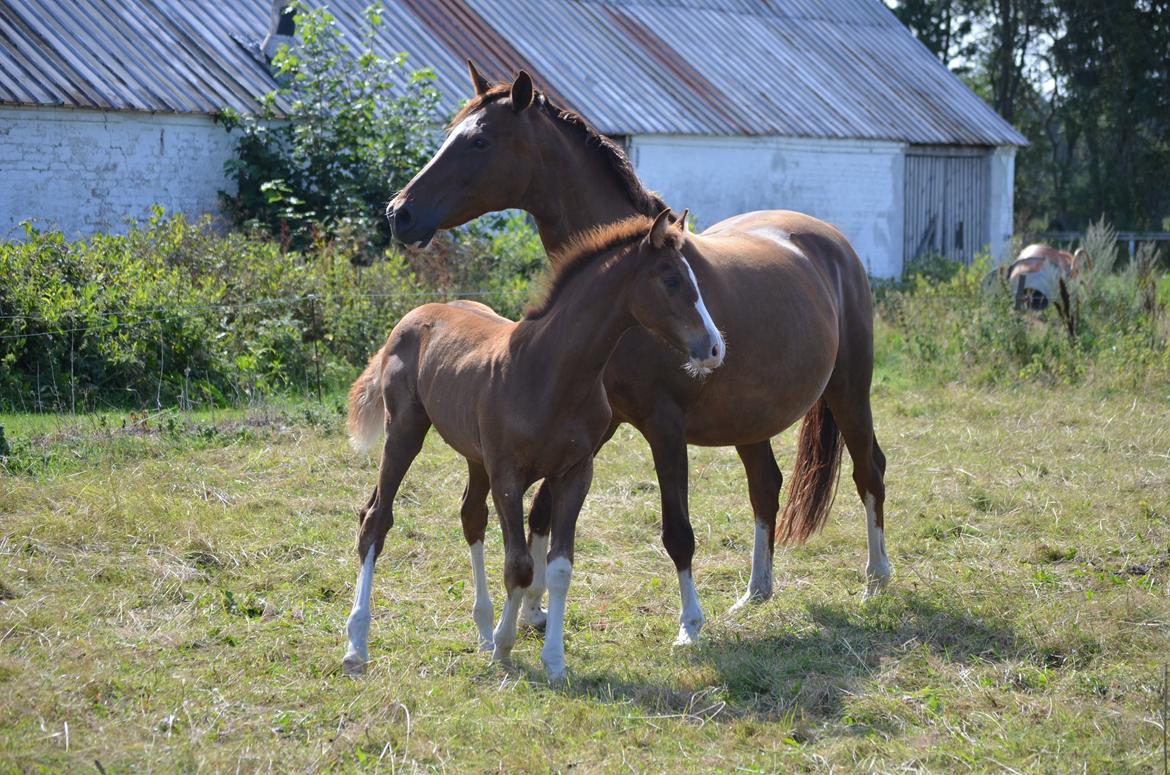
point(947, 202)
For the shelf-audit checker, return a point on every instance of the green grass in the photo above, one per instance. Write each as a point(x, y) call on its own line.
point(173, 594)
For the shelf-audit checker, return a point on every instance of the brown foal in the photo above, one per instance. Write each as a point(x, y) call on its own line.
point(789, 293)
point(521, 401)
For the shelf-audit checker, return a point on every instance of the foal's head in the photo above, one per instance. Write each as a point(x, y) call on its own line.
point(665, 297)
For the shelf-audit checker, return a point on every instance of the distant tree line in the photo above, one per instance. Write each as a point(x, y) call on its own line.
point(1086, 81)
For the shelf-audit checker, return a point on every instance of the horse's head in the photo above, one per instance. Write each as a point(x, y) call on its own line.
point(483, 164)
point(665, 296)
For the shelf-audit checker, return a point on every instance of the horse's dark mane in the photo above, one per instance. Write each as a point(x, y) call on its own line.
point(586, 248)
point(645, 201)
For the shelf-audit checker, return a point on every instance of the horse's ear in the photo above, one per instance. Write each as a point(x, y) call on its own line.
point(682, 221)
point(1081, 256)
point(522, 92)
point(657, 235)
point(478, 81)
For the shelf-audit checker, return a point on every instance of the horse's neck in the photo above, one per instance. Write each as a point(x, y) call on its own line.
point(568, 347)
point(575, 190)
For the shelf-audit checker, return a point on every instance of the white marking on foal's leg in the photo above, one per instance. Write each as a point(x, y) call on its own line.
point(760, 587)
point(560, 573)
point(878, 570)
point(691, 618)
point(505, 634)
point(358, 625)
point(531, 614)
point(481, 612)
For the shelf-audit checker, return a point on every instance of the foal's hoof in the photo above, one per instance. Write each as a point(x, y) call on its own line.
point(556, 673)
point(486, 644)
point(502, 656)
point(750, 598)
point(354, 665)
point(534, 618)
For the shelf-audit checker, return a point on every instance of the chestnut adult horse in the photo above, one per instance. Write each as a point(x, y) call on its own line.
point(787, 290)
point(521, 401)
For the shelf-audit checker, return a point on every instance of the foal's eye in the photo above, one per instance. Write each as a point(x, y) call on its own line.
point(672, 281)
point(479, 143)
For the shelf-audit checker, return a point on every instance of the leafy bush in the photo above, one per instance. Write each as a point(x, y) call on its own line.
point(966, 327)
point(357, 128)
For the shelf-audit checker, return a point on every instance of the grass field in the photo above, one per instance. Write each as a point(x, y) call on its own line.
point(173, 593)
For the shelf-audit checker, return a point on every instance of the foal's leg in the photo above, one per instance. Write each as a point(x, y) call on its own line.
point(539, 523)
point(855, 420)
point(404, 438)
point(474, 513)
point(669, 447)
point(764, 482)
point(508, 494)
point(568, 493)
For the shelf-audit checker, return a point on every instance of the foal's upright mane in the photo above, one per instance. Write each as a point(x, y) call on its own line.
point(645, 201)
point(586, 248)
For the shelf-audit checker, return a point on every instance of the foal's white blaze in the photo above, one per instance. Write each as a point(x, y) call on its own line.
point(760, 587)
point(878, 570)
point(707, 362)
point(531, 614)
point(560, 573)
point(691, 618)
point(481, 612)
point(358, 625)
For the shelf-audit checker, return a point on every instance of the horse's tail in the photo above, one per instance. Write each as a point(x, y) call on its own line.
point(367, 407)
point(813, 483)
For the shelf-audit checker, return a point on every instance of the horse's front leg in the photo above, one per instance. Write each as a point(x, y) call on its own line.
point(508, 494)
point(568, 493)
point(669, 447)
point(404, 438)
point(474, 514)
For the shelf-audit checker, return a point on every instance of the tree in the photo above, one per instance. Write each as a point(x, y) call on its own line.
point(357, 128)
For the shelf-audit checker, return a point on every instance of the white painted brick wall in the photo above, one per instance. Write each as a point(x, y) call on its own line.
point(86, 171)
point(855, 185)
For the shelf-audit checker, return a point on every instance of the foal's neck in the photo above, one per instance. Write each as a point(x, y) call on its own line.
point(571, 343)
point(574, 190)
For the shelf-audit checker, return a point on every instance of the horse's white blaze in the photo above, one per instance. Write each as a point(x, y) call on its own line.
point(691, 618)
point(713, 332)
point(878, 570)
point(461, 130)
point(357, 627)
point(505, 634)
point(560, 573)
point(532, 614)
point(481, 611)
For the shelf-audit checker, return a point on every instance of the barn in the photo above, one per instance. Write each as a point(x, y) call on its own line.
point(830, 107)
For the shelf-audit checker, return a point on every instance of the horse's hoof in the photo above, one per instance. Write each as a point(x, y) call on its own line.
point(354, 665)
point(688, 635)
point(875, 583)
point(750, 598)
point(502, 656)
point(486, 644)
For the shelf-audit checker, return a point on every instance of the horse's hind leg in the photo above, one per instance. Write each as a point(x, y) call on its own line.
point(474, 514)
point(404, 438)
point(851, 411)
point(764, 483)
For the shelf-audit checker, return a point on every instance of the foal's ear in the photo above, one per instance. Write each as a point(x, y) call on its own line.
point(522, 92)
point(657, 235)
point(478, 81)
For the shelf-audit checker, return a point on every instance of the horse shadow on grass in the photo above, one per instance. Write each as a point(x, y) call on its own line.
point(806, 672)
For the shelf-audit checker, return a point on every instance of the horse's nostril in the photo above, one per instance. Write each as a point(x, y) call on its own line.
point(715, 351)
point(402, 216)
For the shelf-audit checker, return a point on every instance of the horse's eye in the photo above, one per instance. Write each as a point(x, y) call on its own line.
point(479, 143)
point(671, 281)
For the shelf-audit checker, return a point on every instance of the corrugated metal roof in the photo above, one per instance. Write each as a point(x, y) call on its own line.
point(806, 68)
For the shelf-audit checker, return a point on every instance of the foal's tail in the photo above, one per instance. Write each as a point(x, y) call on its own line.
point(813, 483)
point(367, 407)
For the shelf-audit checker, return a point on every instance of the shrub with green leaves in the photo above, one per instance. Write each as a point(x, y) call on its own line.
point(357, 128)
